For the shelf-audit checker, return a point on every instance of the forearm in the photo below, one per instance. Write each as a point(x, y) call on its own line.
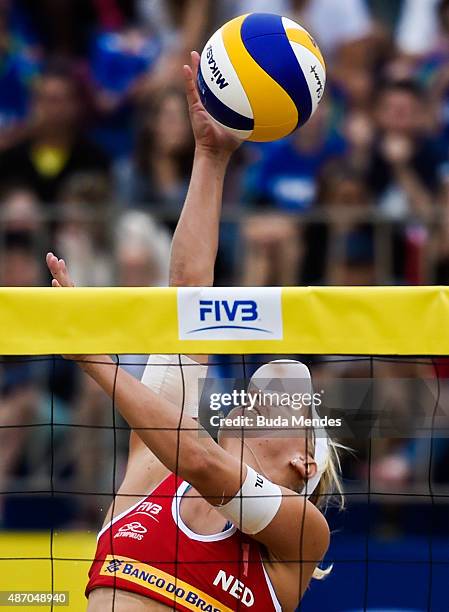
point(176, 442)
point(195, 242)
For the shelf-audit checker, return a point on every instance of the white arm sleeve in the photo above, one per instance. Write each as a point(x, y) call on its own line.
point(177, 378)
point(255, 505)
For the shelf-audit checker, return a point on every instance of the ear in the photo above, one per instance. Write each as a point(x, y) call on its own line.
point(311, 469)
point(305, 469)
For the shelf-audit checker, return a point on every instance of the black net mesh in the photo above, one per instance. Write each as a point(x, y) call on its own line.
point(64, 468)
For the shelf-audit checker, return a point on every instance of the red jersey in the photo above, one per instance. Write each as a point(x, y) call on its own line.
point(150, 551)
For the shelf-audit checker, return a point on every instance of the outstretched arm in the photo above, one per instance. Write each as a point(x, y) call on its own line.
point(174, 440)
point(195, 241)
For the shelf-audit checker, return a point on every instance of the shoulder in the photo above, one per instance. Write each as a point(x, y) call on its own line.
point(297, 551)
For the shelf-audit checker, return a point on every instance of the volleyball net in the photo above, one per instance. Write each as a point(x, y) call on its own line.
point(380, 371)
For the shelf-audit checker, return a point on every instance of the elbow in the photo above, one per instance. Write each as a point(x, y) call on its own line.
point(201, 470)
point(197, 467)
point(195, 274)
point(200, 279)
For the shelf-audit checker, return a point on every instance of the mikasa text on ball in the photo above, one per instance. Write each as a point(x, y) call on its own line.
point(261, 76)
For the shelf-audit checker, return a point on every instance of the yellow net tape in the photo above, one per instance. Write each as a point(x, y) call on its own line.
point(351, 321)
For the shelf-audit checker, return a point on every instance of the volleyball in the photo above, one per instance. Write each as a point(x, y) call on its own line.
point(261, 76)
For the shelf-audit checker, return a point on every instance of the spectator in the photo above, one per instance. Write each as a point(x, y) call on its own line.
point(19, 264)
point(286, 176)
point(344, 202)
point(118, 60)
point(65, 26)
point(143, 253)
point(180, 25)
point(386, 11)
point(433, 72)
point(19, 378)
point(56, 148)
point(81, 236)
point(359, 132)
point(143, 250)
point(418, 27)
point(159, 172)
point(440, 242)
point(20, 211)
point(404, 169)
point(272, 247)
point(357, 267)
point(20, 63)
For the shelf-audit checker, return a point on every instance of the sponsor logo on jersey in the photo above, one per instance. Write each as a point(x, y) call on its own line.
point(113, 566)
point(155, 580)
point(135, 531)
point(148, 509)
point(237, 313)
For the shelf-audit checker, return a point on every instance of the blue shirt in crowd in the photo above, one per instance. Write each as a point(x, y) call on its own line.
point(286, 177)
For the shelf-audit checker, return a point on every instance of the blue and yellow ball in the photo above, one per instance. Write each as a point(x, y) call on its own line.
point(261, 76)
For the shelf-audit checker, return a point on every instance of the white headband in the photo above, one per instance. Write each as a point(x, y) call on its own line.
point(290, 377)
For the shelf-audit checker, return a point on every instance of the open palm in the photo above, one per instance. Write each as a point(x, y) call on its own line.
point(208, 134)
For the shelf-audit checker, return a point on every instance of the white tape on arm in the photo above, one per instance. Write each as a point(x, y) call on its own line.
point(163, 375)
point(255, 505)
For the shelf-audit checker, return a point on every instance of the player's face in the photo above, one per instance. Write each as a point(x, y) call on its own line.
point(283, 454)
point(288, 462)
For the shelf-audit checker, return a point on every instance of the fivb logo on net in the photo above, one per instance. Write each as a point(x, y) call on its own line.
point(231, 314)
point(215, 313)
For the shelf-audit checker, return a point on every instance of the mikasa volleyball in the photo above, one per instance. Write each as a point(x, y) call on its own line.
point(261, 76)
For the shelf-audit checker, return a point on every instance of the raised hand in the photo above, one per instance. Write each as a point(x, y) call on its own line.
point(58, 269)
point(61, 278)
point(208, 134)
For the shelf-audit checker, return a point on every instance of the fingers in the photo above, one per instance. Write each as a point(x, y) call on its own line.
point(59, 272)
point(190, 76)
point(195, 63)
point(52, 263)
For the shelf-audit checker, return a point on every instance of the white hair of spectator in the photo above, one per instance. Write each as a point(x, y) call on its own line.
point(137, 230)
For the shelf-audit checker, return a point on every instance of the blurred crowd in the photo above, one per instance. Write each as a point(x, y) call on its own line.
point(95, 158)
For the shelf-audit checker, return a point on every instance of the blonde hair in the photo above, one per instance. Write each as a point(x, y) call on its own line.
point(329, 492)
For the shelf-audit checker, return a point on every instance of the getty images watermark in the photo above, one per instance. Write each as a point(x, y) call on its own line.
point(263, 411)
point(349, 408)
